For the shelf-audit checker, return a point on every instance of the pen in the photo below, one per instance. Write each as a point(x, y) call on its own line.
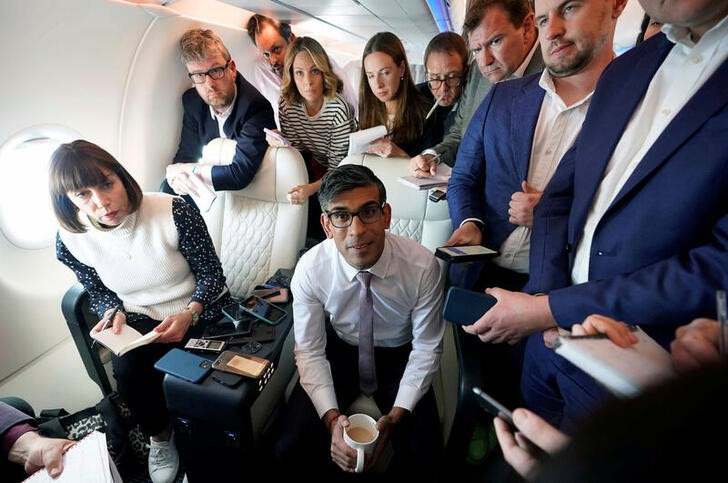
point(108, 321)
point(434, 106)
point(722, 316)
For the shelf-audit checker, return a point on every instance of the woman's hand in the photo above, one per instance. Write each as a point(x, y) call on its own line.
point(119, 320)
point(299, 194)
point(174, 327)
point(385, 148)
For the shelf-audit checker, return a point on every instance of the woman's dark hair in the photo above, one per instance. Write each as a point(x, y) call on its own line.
point(348, 177)
point(77, 165)
point(409, 120)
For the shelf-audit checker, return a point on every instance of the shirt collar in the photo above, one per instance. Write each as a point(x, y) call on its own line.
point(547, 83)
point(379, 269)
point(681, 35)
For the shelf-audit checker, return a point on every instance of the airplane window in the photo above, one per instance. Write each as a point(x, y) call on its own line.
point(26, 216)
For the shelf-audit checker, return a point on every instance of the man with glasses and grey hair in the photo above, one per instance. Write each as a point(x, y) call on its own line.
point(221, 104)
point(367, 308)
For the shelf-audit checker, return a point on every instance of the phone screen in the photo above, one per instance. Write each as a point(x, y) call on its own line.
point(263, 309)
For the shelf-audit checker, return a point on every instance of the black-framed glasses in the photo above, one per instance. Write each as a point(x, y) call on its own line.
point(368, 214)
point(214, 73)
point(453, 81)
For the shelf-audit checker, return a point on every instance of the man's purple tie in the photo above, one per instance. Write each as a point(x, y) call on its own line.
point(367, 372)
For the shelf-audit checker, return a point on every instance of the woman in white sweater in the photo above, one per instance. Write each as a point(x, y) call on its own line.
point(148, 254)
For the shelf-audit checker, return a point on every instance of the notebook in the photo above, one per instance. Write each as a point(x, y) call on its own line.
point(87, 461)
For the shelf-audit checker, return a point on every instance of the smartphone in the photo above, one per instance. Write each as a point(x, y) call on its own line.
point(278, 137)
point(494, 407)
point(437, 195)
point(465, 307)
point(465, 253)
point(276, 295)
point(263, 310)
point(185, 365)
point(205, 345)
point(242, 364)
point(226, 378)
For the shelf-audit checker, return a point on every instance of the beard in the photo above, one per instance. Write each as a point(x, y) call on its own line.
point(220, 101)
point(569, 66)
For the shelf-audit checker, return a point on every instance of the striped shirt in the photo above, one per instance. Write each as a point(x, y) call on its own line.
point(325, 134)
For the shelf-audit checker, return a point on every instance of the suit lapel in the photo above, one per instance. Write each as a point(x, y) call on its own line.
point(710, 98)
point(523, 126)
point(606, 120)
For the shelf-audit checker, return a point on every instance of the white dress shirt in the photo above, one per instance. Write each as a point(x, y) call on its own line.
point(684, 71)
point(407, 294)
point(556, 130)
point(269, 85)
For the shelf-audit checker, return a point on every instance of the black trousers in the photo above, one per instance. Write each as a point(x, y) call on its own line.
point(303, 443)
point(140, 385)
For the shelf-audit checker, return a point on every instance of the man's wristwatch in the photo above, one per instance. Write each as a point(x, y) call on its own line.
point(195, 315)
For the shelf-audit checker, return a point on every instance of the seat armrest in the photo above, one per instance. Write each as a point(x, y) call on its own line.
point(80, 320)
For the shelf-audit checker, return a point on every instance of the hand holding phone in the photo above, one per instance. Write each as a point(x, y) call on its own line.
point(465, 307)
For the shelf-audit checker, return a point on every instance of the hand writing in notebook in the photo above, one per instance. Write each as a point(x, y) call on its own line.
point(386, 148)
point(618, 332)
point(34, 452)
point(114, 316)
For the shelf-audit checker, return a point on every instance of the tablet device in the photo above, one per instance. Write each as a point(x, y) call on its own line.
point(464, 307)
point(263, 310)
point(465, 253)
point(182, 364)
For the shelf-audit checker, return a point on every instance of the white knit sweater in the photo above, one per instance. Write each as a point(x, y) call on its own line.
point(139, 259)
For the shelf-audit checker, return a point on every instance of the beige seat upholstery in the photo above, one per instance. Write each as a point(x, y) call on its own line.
point(415, 216)
point(256, 230)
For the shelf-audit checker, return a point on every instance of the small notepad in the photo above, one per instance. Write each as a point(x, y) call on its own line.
point(128, 339)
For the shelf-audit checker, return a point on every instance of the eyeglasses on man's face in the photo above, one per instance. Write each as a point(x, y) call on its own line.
point(368, 214)
point(434, 83)
point(214, 73)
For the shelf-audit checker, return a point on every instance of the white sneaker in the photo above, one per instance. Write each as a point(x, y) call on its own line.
point(163, 461)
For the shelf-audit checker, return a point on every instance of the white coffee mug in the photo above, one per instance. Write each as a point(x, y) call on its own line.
point(362, 435)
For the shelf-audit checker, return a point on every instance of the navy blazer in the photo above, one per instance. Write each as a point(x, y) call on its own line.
point(493, 157)
point(251, 113)
point(660, 251)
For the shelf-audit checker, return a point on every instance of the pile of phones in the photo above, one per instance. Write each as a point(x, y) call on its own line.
point(242, 365)
point(260, 307)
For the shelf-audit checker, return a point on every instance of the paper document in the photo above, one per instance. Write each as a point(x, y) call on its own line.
point(625, 371)
point(423, 183)
point(359, 141)
point(126, 340)
point(86, 462)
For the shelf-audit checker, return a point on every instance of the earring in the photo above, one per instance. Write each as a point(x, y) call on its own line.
point(401, 78)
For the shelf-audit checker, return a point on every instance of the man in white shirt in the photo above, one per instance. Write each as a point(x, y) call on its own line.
point(272, 38)
point(633, 224)
point(406, 290)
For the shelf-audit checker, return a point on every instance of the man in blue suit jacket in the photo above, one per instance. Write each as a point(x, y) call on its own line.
point(634, 224)
point(221, 104)
point(511, 150)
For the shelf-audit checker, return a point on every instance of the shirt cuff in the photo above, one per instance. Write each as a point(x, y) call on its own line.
point(204, 171)
point(477, 221)
point(407, 398)
point(430, 151)
point(12, 435)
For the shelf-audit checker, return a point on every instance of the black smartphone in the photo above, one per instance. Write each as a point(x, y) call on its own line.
point(494, 407)
point(465, 307)
point(263, 310)
point(227, 378)
point(465, 253)
point(234, 312)
point(437, 195)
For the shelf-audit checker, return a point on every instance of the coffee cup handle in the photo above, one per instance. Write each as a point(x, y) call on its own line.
point(359, 460)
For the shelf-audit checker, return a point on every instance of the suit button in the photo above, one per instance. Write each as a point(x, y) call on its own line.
point(600, 253)
point(568, 247)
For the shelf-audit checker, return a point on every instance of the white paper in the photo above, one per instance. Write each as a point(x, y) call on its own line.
point(359, 141)
point(126, 340)
point(86, 462)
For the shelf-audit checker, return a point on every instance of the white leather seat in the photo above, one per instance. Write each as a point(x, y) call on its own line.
point(415, 216)
point(256, 230)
